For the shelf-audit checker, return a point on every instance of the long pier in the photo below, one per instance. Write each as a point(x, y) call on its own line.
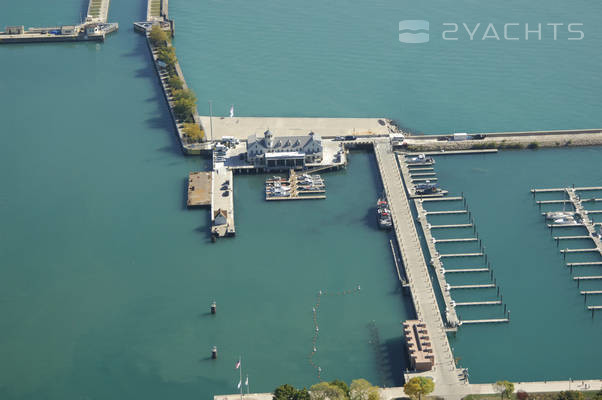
point(445, 373)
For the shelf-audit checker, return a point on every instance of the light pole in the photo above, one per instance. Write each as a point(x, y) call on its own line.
point(211, 118)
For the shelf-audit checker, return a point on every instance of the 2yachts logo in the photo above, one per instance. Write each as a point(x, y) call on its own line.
point(417, 31)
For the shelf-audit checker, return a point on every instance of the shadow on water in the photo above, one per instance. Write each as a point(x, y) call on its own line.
point(397, 356)
point(388, 357)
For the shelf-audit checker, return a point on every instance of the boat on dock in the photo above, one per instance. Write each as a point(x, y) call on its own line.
point(383, 214)
point(421, 159)
point(427, 187)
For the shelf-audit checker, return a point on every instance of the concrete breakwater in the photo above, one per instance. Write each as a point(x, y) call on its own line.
point(508, 140)
point(157, 14)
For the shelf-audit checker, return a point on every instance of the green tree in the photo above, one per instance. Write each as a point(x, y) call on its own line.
point(175, 82)
point(326, 391)
point(184, 94)
point(570, 395)
point(193, 131)
point(418, 386)
point(288, 392)
point(157, 36)
point(183, 109)
point(504, 388)
point(361, 389)
point(342, 385)
point(167, 55)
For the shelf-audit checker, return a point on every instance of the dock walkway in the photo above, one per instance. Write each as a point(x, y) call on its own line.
point(450, 309)
point(222, 203)
point(445, 373)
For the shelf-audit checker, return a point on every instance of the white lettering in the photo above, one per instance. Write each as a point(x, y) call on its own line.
point(555, 26)
point(471, 33)
point(581, 34)
point(487, 35)
point(506, 31)
point(538, 31)
point(454, 30)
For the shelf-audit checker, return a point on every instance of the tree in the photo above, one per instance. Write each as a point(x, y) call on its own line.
point(598, 396)
point(184, 104)
point(361, 389)
point(504, 388)
point(157, 36)
point(193, 131)
point(288, 392)
point(326, 391)
point(342, 385)
point(167, 55)
point(418, 386)
point(175, 82)
point(184, 94)
point(570, 395)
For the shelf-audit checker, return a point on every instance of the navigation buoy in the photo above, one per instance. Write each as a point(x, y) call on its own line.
point(213, 308)
point(214, 353)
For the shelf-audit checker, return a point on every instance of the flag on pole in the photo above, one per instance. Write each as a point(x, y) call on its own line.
point(247, 381)
point(231, 111)
point(239, 383)
point(238, 364)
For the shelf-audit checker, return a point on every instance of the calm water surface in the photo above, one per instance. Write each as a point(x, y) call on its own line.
point(107, 278)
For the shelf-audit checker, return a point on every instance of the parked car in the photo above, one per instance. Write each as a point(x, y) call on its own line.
point(350, 137)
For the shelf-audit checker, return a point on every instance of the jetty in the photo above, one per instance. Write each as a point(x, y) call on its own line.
point(157, 12)
point(445, 372)
point(94, 28)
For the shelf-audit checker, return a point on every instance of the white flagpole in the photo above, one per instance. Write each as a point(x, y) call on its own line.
point(247, 383)
point(240, 371)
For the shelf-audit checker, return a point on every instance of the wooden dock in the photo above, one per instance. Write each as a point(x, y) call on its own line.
point(587, 278)
point(476, 286)
point(583, 264)
point(485, 321)
point(479, 254)
point(199, 189)
point(421, 288)
point(463, 270)
point(478, 303)
point(449, 212)
point(451, 226)
point(457, 240)
point(453, 152)
point(450, 310)
point(451, 198)
point(297, 191)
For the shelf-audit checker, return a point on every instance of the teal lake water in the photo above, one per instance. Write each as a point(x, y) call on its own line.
point(107, 277)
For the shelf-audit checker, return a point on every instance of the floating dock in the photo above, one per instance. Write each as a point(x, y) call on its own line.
point(199, 189)
point(294, 189)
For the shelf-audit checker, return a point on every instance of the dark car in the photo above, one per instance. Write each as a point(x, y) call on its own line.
point(350, 137)
point(226, 193)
